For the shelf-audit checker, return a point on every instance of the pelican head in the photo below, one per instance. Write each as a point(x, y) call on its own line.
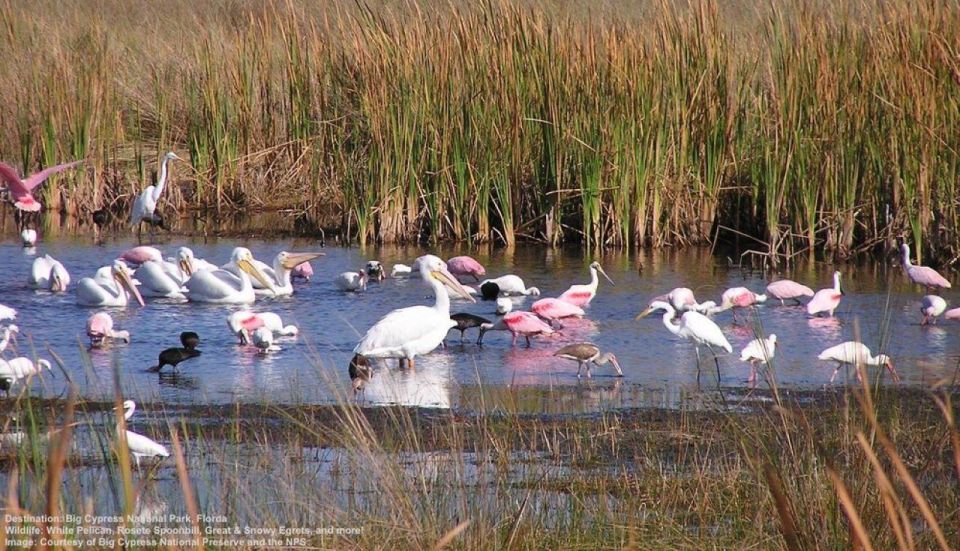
point(596, 266)
point(290, 261)
point(124, 277)
point(59, 278)
point(185, 260)
point(432, 268)
point(243, 258)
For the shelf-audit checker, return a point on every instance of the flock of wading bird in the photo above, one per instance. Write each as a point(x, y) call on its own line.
point(402, 334)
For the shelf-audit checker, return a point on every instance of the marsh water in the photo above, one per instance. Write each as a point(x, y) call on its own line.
point(660, 369)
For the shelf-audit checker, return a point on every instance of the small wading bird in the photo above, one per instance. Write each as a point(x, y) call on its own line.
point(682, 299)
point(758, 351)
point(554, 309)
point(853, 353)
point(585, 353)
point(922, 275)
point(303, 271)
point(29, 237)
point(244, 323)
point(100, 330)
point(465, 266)
point(519, 324)
point(48, 273)
point(410, 332)
point(360, 372)
point(375, 270)
point(223, 287)
point(352, 281)
point(504, 306)
point(466, 321)
point(826, 300)
point(786, 289)
point(111, 286)
point(6, 334)
point(18, 369)
point(138, 444)
point(581, 295)
point(174, 356)
point(694, 326)
point(508, 285)
point(21, 190)
point(932, 306)
point(400, 270)
point(145, 206)
point(263, 339)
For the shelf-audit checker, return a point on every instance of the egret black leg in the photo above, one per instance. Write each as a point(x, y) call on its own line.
point(697, 348)
point(528, 340)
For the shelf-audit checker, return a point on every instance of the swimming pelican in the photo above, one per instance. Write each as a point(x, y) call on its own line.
point(244, 323)
point(7, 333)
point(223, 287)
point(29, 237)
point(504, 306)
point(375, 270)
point(525, 324)
point(922, 275)
point(21, 190)
point(826, 300)
point(138, 444)
point(586, 353)
point(166, 278)
point(932, 306)
point(758, 351)
point(263, 339)
point(694, 326)
point(466, 266)
point(48, 273)
point(466, 321)
point(19, 368)
point(852, 352)
point(785, 289)
point(278, 274)
point(100, 330)
point(352, 281)
point(510, 285)
point(581, 295)
point(111, 286)
point(188, 263)
point(145, 206)
point(554, 309)
point(410, 332)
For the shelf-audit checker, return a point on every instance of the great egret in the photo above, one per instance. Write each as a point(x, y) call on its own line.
point(138, 444)
point(145, 206)
point(581, 295)
point(694, 326)
point(585, 353)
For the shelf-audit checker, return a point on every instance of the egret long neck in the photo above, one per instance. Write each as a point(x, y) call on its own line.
point(667, 316)
point(162, 181)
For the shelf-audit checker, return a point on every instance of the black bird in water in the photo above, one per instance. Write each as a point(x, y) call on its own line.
point(466, 321)
point(100, 218)
point(189, 339)
point(173, 356)
point(360, 372)
point(489, 291)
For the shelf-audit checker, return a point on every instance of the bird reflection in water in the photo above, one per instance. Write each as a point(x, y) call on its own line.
point(427, 386)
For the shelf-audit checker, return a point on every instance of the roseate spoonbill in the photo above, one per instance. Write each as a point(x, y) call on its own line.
point(138, 444)
point(21, 190)
point(7, 333)
point(826, 300)
point(922, 275)
point(48, 273)
point(100, 330)
point(7, 313)
point(223, 287)
point(952, 314)
point(466, 266)
point(19, 368)
point(585, 353)
point(510, 285)
point(785, 289)
point(682, 299)
point(303, 271)
point(352, 281)
point(758, 351)
point(467, 321)
point(409, 332)
point(581, 295)
point(244, 323)
point(526, 324)
point(111, 286)
point(504, 306)
point(278, 274)
point(29, 237)
point(400, 270)
point(736, 298)
point(932, 306)
point(694, 326)
point(360, 372)
point(554, 309)
point(262, 338)
point(145, 206)
point(141, 254)
point(852, 352)
point(375, 270)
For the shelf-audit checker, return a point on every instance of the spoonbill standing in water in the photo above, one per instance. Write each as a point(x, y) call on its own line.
point(581, 295)
point(932, 306)
point(138, 444)
point(145, 207)
point(854, 353)
point(525, 324)
point(683, 299)
point(21, 190)
point(466, 266)
point(554, 309)
point(244, 323)
point(410, 332)
point(736, 298)
point(694, 326)
point(585, 353)
point(786, 289)
point(826, 300)
point(100, 330)
point(758, 351)
point(922, 275)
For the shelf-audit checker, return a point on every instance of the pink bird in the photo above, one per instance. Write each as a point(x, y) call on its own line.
point(581, 295)
point(465, 266)
point(100, 330)
point(922, 275)
point(952, 314)
point(736, 298)
point(526, 324)
point(21, 191)
point(826, 300)
point(302, 271)
point(786, 289)
point(141, 255)
point(931, 306)
point(554, 309)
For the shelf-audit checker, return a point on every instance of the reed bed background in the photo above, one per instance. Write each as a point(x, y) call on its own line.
point(800, 125)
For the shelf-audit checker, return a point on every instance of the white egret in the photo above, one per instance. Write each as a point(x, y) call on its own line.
point(694, 326)
point(138, 444)
point(145, 206)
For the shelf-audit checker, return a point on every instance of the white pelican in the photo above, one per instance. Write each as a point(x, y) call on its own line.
point(29, 237)
point(852, 352)
point(157, 281)
point(278, 274)
point(138, 444)
point(8, 332)
point(352, 281)
point(48, 273)
point(244, 323)
point(145, 207)
point(410, 332)
point(223, 287)
point(188, 263)
point(100, 330)
point(112, 286)
point(506, 285)
point(581, 295)
point(263, 339)
point(694, 326)
point(17, 369)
